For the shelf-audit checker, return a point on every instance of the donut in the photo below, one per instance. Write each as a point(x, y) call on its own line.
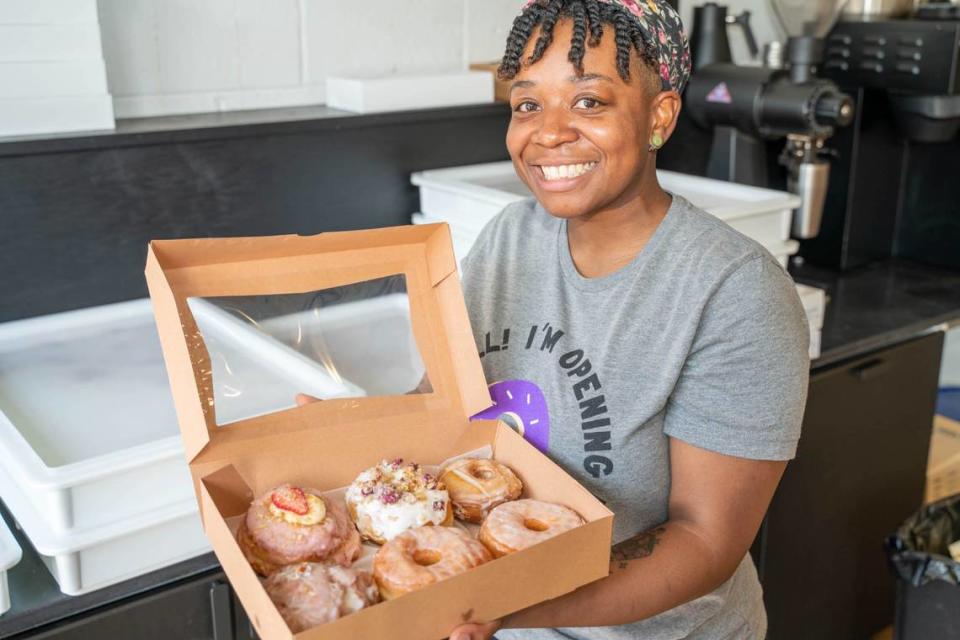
point(308, 594)
point(288, 524)
point(420, 557)
point(513, 526)
point(476, 486)
point(522, 404)
point(386, 500)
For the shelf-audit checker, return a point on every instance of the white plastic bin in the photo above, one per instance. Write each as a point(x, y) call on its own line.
point(86, 417)
point(85, 559)
point(10, 554)
point(463, 241)
point(467, 197)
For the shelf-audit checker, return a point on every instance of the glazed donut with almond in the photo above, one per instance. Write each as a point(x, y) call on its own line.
point(290, 524)
point(420, 557)
point(477, 485)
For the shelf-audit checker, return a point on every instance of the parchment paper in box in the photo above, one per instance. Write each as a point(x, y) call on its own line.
point(326, 444)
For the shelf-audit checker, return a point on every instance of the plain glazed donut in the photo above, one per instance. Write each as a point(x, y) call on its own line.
point(420, 557)
point(513, 526)
point(287, 525)
point(386, 500)
point(478, 485)
point(309, 594)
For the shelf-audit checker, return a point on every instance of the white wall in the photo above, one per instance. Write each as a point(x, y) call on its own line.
point(52, 76)
point(950, 367)
point(184, 56)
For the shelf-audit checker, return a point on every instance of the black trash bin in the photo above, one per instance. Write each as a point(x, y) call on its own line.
point(928, 580)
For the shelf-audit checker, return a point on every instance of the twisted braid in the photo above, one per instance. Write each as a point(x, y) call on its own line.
point(596, 23)
point(577, 40)
point(523, 26)
point(589, 17)
point(550, 17)
point(624, 44)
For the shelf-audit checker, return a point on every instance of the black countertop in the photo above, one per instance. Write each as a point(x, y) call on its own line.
point(880, 305)
point(231, 124)
point(868, 309)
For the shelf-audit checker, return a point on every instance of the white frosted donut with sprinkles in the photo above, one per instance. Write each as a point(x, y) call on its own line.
point(513, 526)
point(386, 500)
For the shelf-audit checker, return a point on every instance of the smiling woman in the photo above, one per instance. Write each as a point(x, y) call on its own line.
point(671, 350)
point(588, 118)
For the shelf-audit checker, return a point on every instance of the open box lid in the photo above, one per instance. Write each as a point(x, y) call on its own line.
point(180, 271)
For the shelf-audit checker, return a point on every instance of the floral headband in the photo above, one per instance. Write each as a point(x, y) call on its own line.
point(663, 31)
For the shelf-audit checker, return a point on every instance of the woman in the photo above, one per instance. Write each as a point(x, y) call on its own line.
point(672, 351)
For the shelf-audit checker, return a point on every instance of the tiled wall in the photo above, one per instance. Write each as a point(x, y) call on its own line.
point(182, 56)
point(51, 68)
point(188, 56)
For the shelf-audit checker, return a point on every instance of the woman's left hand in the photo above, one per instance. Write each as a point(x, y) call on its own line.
point(475, 631)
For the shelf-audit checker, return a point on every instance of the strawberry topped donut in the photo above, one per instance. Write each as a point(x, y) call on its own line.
point(386, 500)
point(290, 524)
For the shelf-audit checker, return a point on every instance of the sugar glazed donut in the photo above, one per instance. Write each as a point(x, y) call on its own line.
point(420, 557)
point(386, 500)
point(308, 594)
point(288, 524)
point(513, 526)
point(476, 486)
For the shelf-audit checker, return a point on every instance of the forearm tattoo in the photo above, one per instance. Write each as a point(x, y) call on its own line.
point(635, 548)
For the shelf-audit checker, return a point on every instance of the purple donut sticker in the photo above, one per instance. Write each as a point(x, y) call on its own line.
point(525, 407)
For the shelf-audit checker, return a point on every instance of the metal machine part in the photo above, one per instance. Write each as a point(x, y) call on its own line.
point(893, 191)
point(866, 9)
point(709, 43)
point(915, 62)
point(807, 17)
point(808, 177)
point(773, 55)
point(766, 104)
point(746, 105)
point(915, 56)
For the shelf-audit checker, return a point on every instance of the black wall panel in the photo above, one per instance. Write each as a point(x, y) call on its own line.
point(75, 218)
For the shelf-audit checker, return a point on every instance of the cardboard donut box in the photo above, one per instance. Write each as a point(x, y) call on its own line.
point(326, 444)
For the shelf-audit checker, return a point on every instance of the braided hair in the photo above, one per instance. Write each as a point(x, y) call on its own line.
point(589, 18)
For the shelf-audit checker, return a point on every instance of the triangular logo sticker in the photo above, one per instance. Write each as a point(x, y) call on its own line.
point(721, 94)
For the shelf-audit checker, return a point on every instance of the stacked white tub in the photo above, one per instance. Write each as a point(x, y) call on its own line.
point(91, 462)
point(468, 197)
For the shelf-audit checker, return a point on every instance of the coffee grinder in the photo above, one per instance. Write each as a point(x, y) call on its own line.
point(894, 190)
point(747, 107)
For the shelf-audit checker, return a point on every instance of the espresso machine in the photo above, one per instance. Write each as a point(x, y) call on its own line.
point(749, 107)
point(894, 189)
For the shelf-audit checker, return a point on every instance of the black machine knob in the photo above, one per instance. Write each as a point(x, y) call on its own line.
point(833, 110)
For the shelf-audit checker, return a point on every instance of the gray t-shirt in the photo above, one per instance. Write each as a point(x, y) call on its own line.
point(701, 337)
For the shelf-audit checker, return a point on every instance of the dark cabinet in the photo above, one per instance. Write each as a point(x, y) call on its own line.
point(200, 609)
point(858, 474)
